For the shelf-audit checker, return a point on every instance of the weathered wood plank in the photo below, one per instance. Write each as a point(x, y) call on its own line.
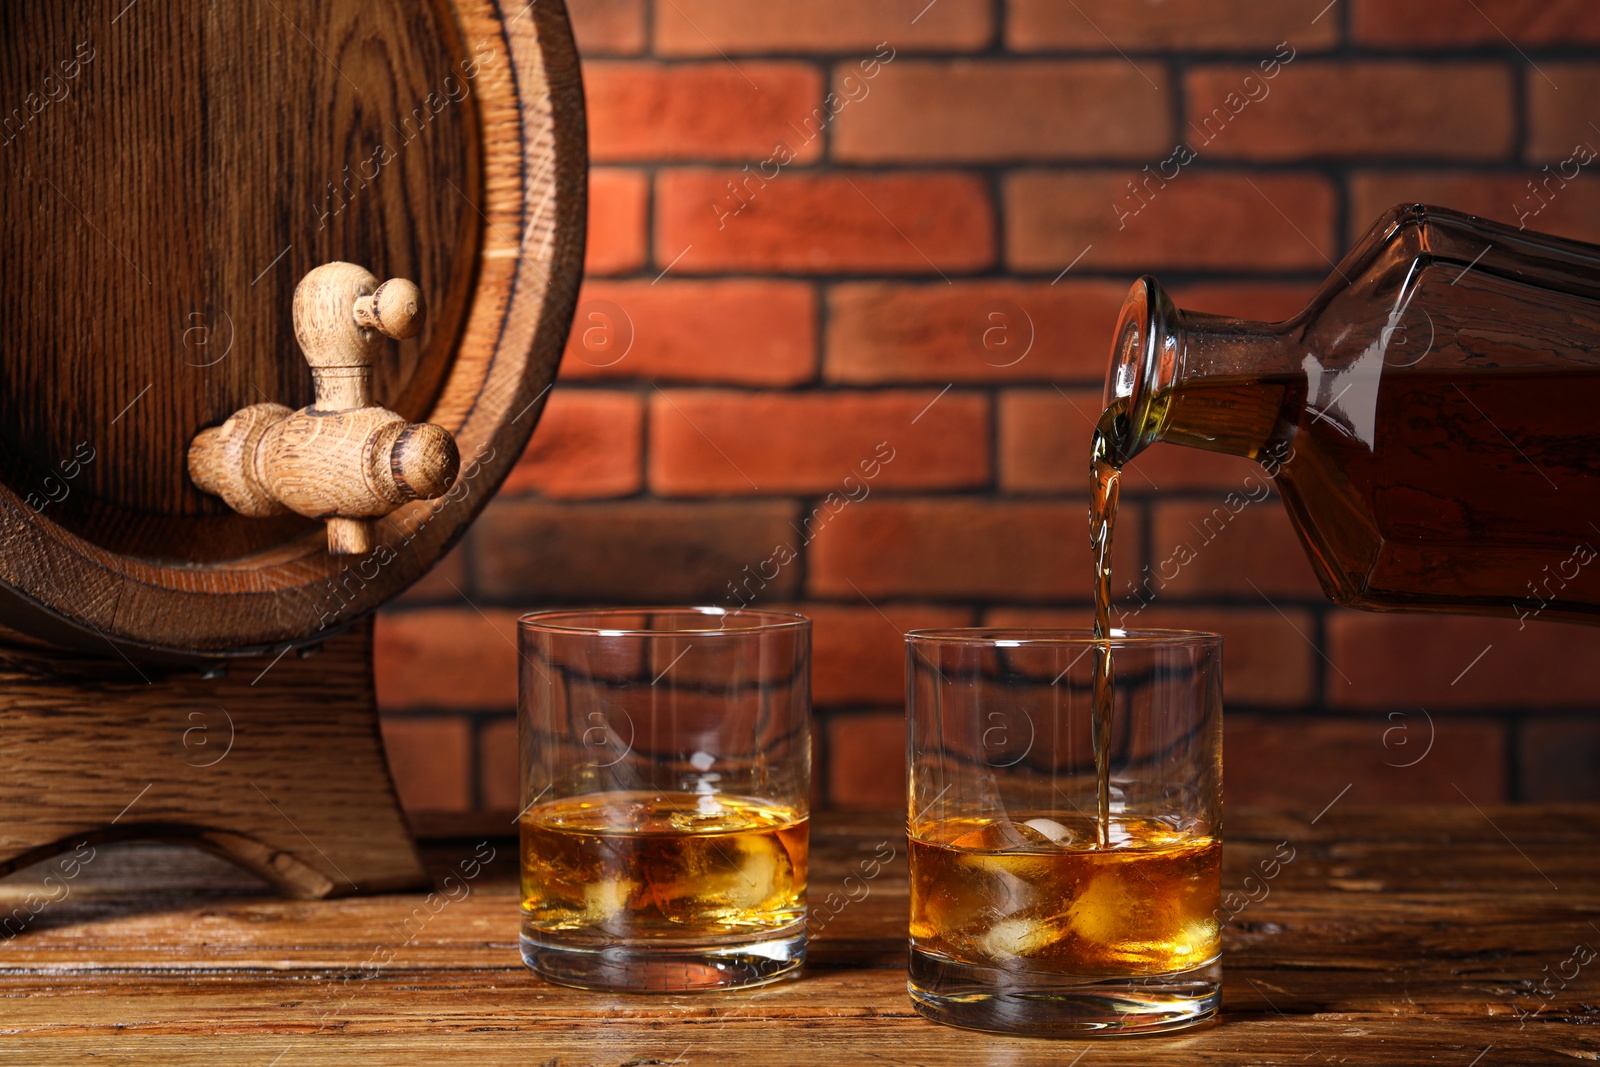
point(873, 1041)
point(256, 773)
point(1409, 937)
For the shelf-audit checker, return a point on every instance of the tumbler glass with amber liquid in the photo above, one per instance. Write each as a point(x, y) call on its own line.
point(665, 780)
point(1429, 418)
point(1065, 879)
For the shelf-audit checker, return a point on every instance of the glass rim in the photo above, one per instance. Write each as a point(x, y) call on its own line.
point(1066, 637)
point(766, 620)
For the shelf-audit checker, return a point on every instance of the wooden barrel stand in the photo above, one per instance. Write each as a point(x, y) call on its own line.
point(275, 762)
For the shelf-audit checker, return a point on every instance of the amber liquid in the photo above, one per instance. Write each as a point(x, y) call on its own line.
point(1039, 893)
point(1105, 474)
point(662, 865)
point(1453, 490)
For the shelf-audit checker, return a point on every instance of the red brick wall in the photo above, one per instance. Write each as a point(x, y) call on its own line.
point(755, 323)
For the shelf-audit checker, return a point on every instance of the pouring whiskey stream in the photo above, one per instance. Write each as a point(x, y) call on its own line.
point(1429, 420)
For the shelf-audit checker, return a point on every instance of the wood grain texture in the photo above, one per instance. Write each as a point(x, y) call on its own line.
point(225, 460)
point(242, 116)
point(276, 764)
point(1392, 936)
point(200, 142)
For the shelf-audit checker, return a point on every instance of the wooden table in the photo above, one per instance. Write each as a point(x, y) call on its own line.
point(1392, 936)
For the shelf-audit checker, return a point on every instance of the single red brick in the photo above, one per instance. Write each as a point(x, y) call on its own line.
point(745, 332)
point(618, 201)
point(634, 552)
point(1044, 439)
point(1458, 662)
point(1094, 220)
point(1322, 109)
point(430, 759)
point(1235, 546)
point(962, 549)
point(451, 657)
point(858, 652)
point(1561, 126)
point(589, 443)
point(970, 331)
point(1265, 659)
point(650, 111)
point(1306, 764)
point(444, 582)
point(846, 444)
point(1453, 23)
point(1044, 447)
point(608, 27)
point(499, 770)
point(714, 220)
point(866, 754)
point(713, 27)
point(1029, 617)
point(984, 110)
point(1571, 210)
point(1259, 301)
point(1198, 25)
point(1557, 760)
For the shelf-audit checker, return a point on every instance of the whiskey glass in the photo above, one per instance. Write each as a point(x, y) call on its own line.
point(1028, 914)
point(666, 776)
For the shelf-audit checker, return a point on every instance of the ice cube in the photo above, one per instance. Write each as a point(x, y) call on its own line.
point(1055, 833)
point(708, 814)
point(996, 836)
point(606, 903)
point(1105, 907)
point(1003, 835)
point(720, 877)
point(1018, 937)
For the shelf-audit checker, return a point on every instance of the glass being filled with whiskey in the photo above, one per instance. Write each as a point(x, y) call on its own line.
point(1065, 865)
point(666, 771)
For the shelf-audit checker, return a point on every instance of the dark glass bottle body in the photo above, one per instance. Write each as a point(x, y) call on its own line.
point(1431, 419)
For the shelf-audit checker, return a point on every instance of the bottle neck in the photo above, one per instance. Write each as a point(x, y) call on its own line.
point(1199, 380)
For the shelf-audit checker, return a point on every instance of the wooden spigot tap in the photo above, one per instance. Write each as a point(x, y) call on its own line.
point(343, 459)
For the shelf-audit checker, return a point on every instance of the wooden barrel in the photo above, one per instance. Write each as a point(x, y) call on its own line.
point(175, 167)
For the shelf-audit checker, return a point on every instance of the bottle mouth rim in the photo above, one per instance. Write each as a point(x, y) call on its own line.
point(1144, 361)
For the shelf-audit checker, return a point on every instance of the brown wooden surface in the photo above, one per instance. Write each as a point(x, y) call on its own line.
point(277, 763)
point(143, 213)
point(1393, 936)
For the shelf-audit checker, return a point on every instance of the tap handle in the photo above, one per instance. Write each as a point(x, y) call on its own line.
point(394, 309)
point(341, 315)
point(344, 459)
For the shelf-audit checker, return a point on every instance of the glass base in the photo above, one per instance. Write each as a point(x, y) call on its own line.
point(1056, 1005)
point(643, 967)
